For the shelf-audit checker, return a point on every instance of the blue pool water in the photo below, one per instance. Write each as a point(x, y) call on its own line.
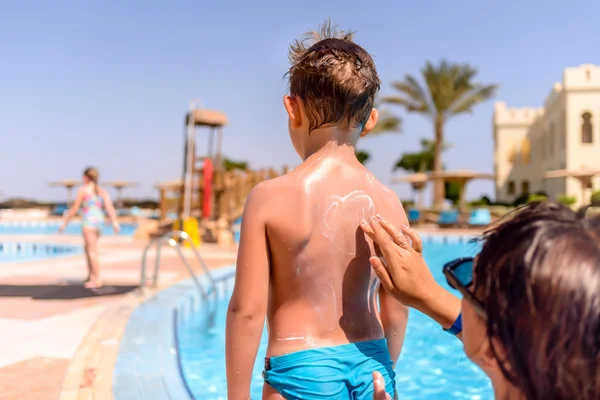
point(51, 227)
point(432, 366)
point(21, 251)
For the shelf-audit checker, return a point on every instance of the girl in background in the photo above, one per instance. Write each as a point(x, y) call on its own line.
point(95, 201)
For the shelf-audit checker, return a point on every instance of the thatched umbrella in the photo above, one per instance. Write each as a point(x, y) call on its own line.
point(68, 184)
point(119, 186)
point(462, 177)
point(418, 182)
point(583, 175)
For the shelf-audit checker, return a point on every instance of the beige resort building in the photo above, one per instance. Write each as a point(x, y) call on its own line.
point(563, 135)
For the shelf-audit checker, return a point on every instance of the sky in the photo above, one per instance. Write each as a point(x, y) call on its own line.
point(107, 83)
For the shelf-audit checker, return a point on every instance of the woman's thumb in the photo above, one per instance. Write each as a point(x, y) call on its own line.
point(379, 386)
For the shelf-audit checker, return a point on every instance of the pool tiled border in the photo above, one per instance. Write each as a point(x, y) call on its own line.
point(39, 251)
point(155, 374)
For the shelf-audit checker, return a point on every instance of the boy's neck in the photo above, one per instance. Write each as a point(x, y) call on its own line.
point(326, 141)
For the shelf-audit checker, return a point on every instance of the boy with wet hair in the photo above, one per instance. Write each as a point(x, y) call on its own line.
point(303, 260)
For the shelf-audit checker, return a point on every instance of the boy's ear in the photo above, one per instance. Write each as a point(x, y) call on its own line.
point(292, 107)
point(371, 122)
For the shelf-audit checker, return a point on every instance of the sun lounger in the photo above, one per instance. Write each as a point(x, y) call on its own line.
point(480, 217)
point(414, 216)
point(59, 210)
point(448, 218)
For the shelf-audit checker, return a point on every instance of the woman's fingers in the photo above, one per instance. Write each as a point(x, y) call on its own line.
point(382, 273)
point(379, 385)
point(397, 236)
point(417, 243)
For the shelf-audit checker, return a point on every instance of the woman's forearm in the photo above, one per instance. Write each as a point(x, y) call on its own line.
point(441, 306)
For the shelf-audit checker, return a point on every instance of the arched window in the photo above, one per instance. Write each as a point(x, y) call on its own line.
point(525, 187)
point(586, 128)
point(511, 187)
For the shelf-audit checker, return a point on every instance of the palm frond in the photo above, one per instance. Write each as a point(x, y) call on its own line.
point(477, 95)
point(410, 105)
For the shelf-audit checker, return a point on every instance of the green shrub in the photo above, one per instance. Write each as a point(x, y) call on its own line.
point(483, 201)
point(536, 197)
point(595, 200)
point(407, 203)
point(566, 200)
point(522, 199)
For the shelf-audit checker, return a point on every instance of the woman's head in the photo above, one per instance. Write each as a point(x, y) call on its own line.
point(538, 280)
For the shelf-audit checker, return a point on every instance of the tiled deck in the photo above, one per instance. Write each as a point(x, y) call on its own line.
point(60, 340)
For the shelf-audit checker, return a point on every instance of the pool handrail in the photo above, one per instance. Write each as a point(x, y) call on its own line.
point(169, 239)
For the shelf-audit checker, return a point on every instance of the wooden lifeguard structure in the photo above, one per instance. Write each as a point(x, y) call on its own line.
point(207, 192)
point(194, 163)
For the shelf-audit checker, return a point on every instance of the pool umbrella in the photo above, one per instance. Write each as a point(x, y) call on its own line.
point(584, 175)
point(418, 182)
point(119, 186)
point(462, 177)
point(68, 184)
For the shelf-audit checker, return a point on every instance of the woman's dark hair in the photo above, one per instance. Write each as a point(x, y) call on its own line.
point(538, 276)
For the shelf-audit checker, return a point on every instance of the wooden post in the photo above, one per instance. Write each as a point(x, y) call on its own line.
point(163, 204)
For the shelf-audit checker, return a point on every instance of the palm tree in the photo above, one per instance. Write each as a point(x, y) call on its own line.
point(448, 90)
point(420, 161)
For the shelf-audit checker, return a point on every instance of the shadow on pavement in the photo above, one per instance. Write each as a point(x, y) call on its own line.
point(62, 292)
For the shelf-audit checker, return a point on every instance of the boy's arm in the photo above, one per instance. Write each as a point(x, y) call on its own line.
point(394, 315)
point(248, 305)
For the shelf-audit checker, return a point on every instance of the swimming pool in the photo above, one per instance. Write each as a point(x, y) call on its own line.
point(432, 366)
point(51, 227)
point(25, 251)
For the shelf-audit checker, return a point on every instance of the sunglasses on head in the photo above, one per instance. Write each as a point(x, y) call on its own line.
point(459, 274)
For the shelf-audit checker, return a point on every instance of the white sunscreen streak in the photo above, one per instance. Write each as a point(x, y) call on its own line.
point(357, 203)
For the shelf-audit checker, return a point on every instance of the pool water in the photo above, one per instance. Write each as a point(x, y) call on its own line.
point(432, 366)
point(51, 228)
point(21, 251)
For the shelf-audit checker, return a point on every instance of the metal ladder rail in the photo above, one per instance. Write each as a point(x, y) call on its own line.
point(170, 240)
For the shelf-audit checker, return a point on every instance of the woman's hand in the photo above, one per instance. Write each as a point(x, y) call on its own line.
point(403, 272)
point(379, 385)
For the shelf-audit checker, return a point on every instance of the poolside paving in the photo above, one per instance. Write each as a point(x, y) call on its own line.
point(59, 340)
point(47, 317)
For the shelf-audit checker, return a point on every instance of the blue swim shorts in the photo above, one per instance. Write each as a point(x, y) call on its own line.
point(337, 372)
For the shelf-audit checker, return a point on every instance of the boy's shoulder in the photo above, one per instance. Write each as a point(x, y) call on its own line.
point(268, 193)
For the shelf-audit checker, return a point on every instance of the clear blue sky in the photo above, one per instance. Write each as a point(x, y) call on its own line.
point(107, 83)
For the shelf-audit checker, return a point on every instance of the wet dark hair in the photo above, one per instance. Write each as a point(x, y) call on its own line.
point(538, 277)
point(335, 78)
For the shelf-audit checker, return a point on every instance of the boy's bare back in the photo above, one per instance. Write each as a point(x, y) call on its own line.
point(322, 286)
point(303, 261)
